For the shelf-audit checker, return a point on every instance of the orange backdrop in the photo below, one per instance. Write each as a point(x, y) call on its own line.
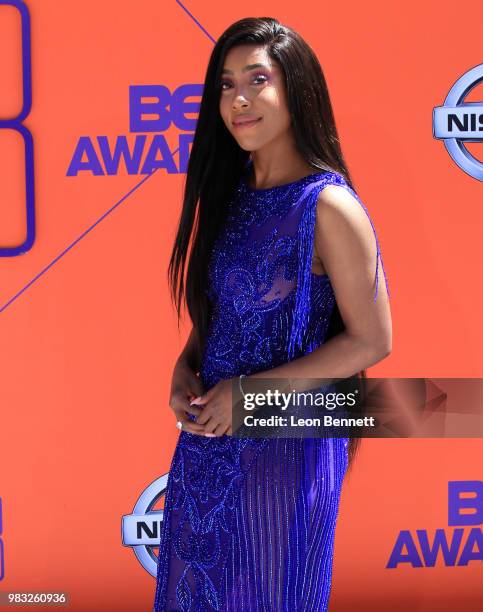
point(88, 333)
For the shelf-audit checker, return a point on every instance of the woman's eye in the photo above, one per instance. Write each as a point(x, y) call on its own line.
point(261, 76)
point(255, 78)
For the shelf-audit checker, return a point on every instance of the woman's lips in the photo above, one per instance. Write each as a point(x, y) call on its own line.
point(245, 124)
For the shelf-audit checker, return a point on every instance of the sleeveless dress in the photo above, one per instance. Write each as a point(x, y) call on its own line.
point(249, 523)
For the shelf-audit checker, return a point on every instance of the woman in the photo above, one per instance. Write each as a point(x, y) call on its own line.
point(280, 284)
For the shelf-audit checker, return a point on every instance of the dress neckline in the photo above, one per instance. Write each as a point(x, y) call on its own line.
point(275, 188)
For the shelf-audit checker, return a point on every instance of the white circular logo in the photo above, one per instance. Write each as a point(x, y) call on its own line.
point(457, 122)
point(142, 529)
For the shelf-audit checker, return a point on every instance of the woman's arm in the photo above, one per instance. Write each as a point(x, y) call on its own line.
point(186, 385)
point(344, 241)
point(189, 355)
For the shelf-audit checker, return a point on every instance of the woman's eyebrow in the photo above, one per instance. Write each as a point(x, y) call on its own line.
point(249, 67)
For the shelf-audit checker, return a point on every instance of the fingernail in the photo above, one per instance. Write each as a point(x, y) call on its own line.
point(195, 401)
point(210, 435)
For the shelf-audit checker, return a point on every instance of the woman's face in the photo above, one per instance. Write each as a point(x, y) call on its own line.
point(252, 87)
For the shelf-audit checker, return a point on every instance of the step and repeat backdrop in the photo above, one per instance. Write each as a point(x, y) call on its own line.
point(98, 107)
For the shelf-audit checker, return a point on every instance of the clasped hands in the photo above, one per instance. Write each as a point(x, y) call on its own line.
point(215, 418)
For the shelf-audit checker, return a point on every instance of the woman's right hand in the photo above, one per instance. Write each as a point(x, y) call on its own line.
point(185, 386)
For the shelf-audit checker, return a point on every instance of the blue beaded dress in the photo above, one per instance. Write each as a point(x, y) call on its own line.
point(249, 523)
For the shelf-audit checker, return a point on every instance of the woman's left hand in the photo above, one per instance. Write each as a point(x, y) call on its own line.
point(216, 415)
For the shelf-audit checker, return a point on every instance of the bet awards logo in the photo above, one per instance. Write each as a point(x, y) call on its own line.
point(457, 546)
point(153, 112)
point(457, 122)
point(142, 528)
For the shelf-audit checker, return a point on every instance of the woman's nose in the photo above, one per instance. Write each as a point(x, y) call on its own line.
point(240, 102)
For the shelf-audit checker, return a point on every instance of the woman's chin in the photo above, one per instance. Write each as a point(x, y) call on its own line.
point(247, 144)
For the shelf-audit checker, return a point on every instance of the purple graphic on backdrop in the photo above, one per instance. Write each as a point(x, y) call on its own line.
point(2, 556)
point(16, 124)
point(153, 110)
point(456, 547)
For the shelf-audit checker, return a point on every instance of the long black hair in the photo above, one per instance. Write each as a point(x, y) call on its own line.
point(216, 162)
